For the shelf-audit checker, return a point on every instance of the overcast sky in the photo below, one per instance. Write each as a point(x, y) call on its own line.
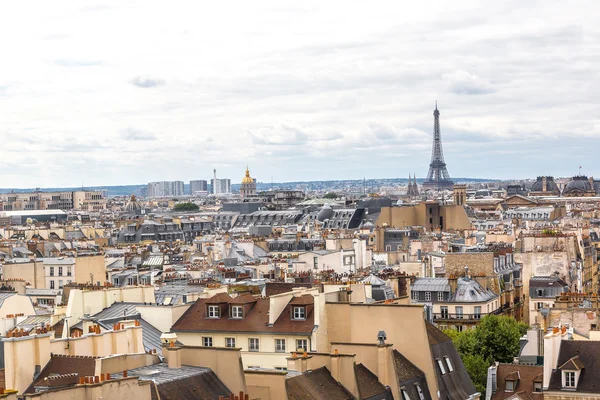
point(114, 93)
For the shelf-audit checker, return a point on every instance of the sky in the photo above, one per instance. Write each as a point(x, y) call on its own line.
point(123, 92)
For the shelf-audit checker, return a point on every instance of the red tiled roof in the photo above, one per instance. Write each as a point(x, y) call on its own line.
point(256, 319)
point(526, 374)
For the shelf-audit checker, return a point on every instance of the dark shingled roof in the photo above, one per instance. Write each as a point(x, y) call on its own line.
point(527, 374)
point(317, 384)
point(219, 299)
point(589, 355)
point(410, 377)
point(62, 365)
point(369, 385)
point(455, 385)
point(273, 288)
point(574, 363)
point(256, 319)
point(243, 298)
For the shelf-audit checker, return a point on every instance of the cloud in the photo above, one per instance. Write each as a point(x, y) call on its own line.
point(77, 63)
point(137, 135)
point(462, 82)
point(146, 83)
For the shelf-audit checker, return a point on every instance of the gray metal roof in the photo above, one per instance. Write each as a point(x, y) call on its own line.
point(469, 290)
point(431, 285)
point(5, 295)
point(119, 311)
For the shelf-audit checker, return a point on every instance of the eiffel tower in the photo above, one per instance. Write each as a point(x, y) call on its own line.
point(438, 177)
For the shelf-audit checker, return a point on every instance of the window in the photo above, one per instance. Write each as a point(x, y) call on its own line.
point(421, 396)
point(281, 368)
point(537, 387)
point(427, 296)
point(51, 271)
point(415, 295)
point(229, 342)
point(299, 313)
point(51, 284)
point(302, 344)
point(509, 386)
point(280, 345)
point(459, 328)
point(253, 344)
point(459, 312)
point(405, 395)
point(130, 281)
point(60, 284)
point(539, 305)
point(444, 311)
point(441, 365)
point(316, 262)
point(477, 312)
point(207, 341)
point(236, 312)
point(440, 296)
point(388, 248)
point(449, 364)
point(213, 311)
point(60, 271)
point(569, 379)
point(69, 271)
point(115, 281)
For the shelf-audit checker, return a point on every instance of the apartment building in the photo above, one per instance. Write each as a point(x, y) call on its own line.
point(221, 186)
point(165, 189)
point(198, 186)
point(265, 329)
point(75, 200)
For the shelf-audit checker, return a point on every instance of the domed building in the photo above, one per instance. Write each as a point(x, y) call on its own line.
point(544, 186)
point(133, 207)
point(581, 186)
point(248, 186)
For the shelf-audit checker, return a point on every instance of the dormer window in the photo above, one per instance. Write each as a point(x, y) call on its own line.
point(237, 312)
point(449, 364)
point(509, 386)
point(569, 379)
point(299, 313)
point(441, 365)
point(213, 311)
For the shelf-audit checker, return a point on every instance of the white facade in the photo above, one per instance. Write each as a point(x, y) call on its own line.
point(222, 186)
point(59, 272)
point(165, 189)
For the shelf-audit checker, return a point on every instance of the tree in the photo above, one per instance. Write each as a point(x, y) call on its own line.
point(496, 338)
point(186, 207)
point(331, 195)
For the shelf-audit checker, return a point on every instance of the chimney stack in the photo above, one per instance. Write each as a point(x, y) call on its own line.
point(173, 356)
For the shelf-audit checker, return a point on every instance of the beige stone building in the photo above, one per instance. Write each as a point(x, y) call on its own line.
point(76, 200)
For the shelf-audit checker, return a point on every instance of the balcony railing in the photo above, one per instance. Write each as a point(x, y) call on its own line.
point(462, 317)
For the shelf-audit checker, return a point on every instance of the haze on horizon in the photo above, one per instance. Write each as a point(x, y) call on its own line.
point(123, 93)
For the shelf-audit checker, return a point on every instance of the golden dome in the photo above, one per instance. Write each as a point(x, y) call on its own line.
point(247, 179)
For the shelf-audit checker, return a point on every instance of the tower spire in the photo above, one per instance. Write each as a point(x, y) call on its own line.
point(437, 177)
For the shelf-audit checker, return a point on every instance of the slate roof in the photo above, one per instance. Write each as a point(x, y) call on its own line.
point(63, 364)
point(410, 377)
point(369, 385)
point(185, 383)
point(316, 384)
point(256, 318)
point(527, 374)
point(589, 355)
point(119, 311)
point(455, 385)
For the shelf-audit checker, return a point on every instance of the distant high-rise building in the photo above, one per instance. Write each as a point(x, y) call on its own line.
point(221, 186)
point(165, 189)
point(198, 186)
point(438, 177)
